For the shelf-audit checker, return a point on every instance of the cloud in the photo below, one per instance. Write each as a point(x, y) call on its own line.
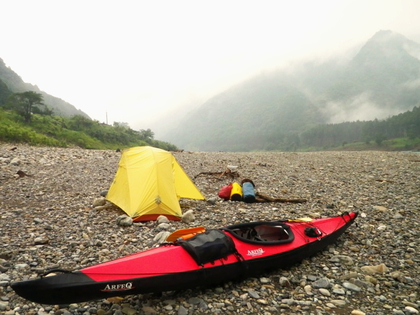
point(360, 107)
point(411, 85)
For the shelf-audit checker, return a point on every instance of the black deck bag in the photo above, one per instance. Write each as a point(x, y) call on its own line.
point(312, 232)
point(209, 246)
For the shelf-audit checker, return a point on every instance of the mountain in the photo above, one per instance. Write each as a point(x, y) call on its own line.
point(249, 116)
point(383, 79)
point(266, 112)
point(10, 82)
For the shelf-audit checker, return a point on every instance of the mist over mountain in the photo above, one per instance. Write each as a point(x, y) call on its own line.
point(382, 79)
point(11, 82)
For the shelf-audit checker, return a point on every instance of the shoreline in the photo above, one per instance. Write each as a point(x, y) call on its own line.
point(48, 220)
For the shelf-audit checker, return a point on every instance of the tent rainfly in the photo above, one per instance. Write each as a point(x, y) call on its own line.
point(149, 182)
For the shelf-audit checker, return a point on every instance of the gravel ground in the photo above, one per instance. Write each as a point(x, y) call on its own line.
point(49, 218)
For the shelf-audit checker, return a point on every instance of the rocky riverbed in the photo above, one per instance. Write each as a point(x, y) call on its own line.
point(52, 216)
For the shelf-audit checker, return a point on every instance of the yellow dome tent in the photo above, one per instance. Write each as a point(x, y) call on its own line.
point(149, 182)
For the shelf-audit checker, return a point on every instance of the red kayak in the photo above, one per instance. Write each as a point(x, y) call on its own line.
point(207, 258)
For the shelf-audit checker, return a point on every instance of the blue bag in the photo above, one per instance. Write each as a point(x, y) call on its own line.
point(248, 191)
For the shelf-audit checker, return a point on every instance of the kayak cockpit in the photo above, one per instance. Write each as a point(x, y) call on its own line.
point(262, 232)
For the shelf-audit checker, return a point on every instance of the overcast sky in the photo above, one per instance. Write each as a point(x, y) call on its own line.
point(132, 61)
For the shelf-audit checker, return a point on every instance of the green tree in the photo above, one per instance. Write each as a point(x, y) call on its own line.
point(146, 135)
point(26, 103)
point(4, 93)
point(46, 111)
point(121, 125)
point(80, 123)
point(379, 138)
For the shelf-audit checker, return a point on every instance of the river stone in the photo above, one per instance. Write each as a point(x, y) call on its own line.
point(342, 259)
point(351, 286)
point(168, 308)
point(324, 292)
point(265, 280)
point(162, 219)
point(380, 208)
point(60, 194)
point(194, 301)
point(182, 310)
point(4, 277)
point(312, 277)
point(361, 284)
point(99, 202)
point(339, 291)
point(212, 201)
point(148, 310)
point(3, 306)
point(308, 289)
point(381, 268)
point(15, 162)
point(254, 294)
point(161, 237)
point(349, 275)
point(321, 283)
point(188, 216)
point(284, 282)
point(289, 301)
point(397, 216)
point(330, 306)
point(397, 275)
point(338, 302)
point(21, 266)
point(411, 310)
point(124, 220)
point(4, 160)
point(41, 240)
point(163, 226)
point(371, 279)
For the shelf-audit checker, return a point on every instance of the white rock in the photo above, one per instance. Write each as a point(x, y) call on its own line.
point(99, 202)
point(163, 226)
point(325, 292)
point(21, 266)
point(15, 162)
point(188, 217)
point(411, 310)
point(124, 220)
point(162, 219)
point(4, 277)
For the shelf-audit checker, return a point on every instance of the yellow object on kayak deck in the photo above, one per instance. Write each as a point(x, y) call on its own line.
point(307, 219)
point(185, 233)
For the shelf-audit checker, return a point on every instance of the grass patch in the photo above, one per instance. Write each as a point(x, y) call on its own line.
point(56, 131)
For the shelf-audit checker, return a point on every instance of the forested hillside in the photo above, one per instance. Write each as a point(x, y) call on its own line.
point(405, 125)
point(28, 115)
point(49, 130)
